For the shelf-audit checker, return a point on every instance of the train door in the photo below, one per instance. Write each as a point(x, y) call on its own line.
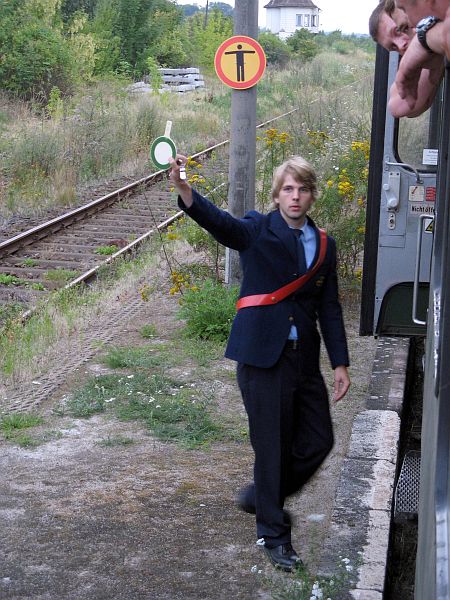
point(406, 290)
point(399, 231)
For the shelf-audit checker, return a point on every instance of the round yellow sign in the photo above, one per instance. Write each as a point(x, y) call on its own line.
point(240, 62)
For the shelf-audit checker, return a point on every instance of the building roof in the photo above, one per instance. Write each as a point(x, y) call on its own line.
point(290, 4)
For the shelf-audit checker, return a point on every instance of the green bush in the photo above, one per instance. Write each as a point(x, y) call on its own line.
point(154, 76)
point(277, 52)
point(341, 208)
point(209, 311)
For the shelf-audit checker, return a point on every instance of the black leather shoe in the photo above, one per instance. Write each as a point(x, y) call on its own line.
point(283, 557)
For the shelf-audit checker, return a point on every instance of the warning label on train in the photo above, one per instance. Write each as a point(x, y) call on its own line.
point(430, 194)
point(418, 208)
point(428, 225)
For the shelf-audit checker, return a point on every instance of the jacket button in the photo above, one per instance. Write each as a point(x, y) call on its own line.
point(291, 318)
point(273, 298)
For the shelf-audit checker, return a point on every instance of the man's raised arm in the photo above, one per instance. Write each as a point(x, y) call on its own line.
point(420, 72)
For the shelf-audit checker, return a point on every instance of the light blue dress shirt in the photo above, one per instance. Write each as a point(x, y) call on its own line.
point(308, 239)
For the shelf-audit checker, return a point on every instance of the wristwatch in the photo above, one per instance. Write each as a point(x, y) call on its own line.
point(421, 29)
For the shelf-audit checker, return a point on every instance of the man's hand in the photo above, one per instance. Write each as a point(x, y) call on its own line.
point(341, 383)
point(409, 96)
point(183, 187)
point(412, 62)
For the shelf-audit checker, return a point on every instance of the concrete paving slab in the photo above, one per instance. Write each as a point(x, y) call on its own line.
point(375, 435)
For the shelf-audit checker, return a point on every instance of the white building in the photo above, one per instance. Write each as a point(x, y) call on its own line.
point(285, 17)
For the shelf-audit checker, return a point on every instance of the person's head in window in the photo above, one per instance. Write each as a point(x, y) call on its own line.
point(393, 34)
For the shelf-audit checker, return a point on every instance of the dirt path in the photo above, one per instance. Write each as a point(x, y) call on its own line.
point(150, 520)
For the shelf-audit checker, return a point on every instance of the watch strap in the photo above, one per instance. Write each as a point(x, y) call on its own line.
point(421, 30)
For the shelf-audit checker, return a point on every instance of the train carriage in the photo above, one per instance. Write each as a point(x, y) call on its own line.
point(406, 289)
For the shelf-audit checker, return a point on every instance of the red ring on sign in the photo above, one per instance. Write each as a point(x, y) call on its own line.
point(240, 85)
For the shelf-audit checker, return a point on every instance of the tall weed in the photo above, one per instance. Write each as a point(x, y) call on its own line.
point(209, 311)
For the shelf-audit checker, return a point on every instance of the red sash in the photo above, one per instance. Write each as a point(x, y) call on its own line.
point(290, 288)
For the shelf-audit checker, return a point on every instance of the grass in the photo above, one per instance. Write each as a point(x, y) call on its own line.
point(114, 441)
point(17, 428)
point(137, 358)
point(171, 411)
point(6, 279)
point(9, 312)
point(29, 262)
point(306, 585)
point(33, 163)
point(12, 427)
point(149, 331)
point(60, 275)
point(45, 160)
point(203, 351)
point(18, 421)
point(106, 250)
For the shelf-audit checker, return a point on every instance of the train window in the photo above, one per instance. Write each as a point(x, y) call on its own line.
point(412, 138)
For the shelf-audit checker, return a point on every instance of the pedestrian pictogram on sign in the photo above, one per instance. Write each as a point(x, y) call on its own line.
point(240, 62)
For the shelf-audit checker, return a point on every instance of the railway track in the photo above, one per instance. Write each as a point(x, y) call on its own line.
point(70, 249)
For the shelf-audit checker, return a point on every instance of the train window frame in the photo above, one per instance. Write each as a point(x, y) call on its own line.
point(431, 115)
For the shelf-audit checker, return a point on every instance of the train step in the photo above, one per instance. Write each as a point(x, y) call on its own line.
point(406, 497)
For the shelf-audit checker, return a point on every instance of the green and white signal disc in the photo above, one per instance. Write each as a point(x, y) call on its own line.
point(161, 150)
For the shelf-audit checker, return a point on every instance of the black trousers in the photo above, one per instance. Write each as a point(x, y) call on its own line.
point(291, 434)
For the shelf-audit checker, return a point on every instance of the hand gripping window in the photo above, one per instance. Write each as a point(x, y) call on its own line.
point(290, 288)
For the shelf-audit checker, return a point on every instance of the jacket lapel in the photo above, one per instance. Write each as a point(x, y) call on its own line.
point(279, 227)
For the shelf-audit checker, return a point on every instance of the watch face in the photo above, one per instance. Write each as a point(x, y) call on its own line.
point(426, 23)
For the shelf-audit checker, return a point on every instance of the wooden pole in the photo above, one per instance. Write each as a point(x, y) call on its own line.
point(242, 165)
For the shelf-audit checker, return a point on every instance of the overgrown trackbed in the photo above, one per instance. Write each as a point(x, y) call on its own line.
point(150, 520)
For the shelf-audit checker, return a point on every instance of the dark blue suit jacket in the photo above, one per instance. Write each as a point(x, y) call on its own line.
point(268, 254)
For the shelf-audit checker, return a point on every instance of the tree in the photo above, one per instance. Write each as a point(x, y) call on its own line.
point(82, 45)
point(302, 44)
point(225, 8)
point(202, 42)
point(190, 9)
point(69, 7)
point(132, 27)
point(166, 38)
point(35, 56)
point(107, 43)
point(140, 28)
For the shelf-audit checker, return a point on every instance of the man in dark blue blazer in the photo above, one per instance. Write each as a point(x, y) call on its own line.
point(277, 344)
